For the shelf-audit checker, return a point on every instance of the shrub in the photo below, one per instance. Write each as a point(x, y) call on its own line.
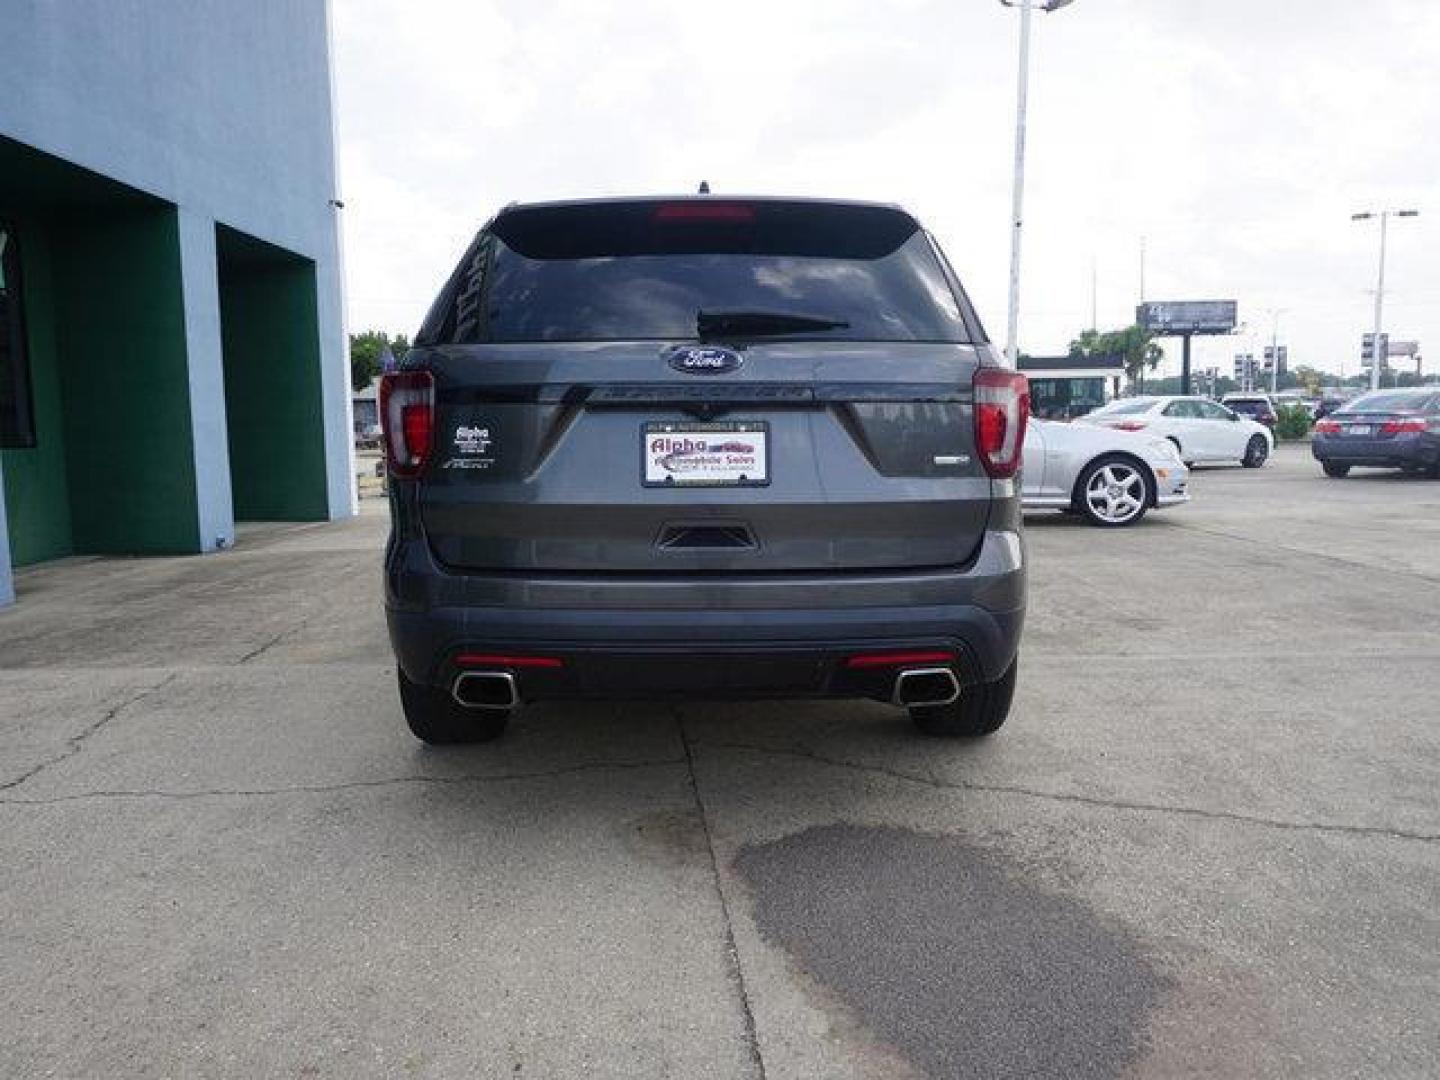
point(1292, 422)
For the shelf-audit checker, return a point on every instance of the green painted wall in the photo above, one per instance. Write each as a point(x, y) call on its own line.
point(119, 324)
point(273, 404)
point(37, 496)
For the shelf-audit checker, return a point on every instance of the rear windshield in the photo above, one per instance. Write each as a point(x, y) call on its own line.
point(1126, 408)
point(635, 271)
point(1395, 401)
point(1246, 405)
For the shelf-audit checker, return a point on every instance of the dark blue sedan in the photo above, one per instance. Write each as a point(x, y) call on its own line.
point(1389, 429)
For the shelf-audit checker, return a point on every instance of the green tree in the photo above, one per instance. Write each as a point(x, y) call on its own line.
point(1134, 344)
point(365, 352)
point(1310, 380)
point(1292, 423)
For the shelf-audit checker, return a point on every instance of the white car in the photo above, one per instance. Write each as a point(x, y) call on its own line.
point(1200, 429)
point(1109, 477)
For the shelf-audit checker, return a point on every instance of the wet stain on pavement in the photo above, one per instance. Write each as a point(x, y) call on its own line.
point(944, 951)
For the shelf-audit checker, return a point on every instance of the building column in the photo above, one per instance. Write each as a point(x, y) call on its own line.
point(215, 516)
point(7, 578)
point(341, 491)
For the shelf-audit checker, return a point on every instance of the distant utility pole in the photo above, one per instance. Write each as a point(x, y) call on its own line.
point(1094, 293)
point(1377, 358)
point(1012, 347)
point(1142, 269)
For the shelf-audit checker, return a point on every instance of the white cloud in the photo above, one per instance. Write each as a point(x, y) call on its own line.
point(1238, 137)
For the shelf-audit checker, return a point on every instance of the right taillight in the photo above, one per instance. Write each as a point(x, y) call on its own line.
point(1002, 405)
point(1409, 426)
point(1129, 425)
point(407, 414)
point(1327, 427)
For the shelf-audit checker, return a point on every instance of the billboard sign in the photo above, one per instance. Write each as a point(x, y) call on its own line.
point(1170, 317)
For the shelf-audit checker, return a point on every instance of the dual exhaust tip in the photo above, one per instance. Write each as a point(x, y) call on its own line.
point(914, 687)
point(485, 690)
point(930, 686)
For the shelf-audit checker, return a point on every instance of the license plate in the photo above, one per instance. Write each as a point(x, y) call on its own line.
point(1359, 429)
point(705, 455)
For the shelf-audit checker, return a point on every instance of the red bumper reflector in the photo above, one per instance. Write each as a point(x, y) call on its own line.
point(490, 660)
point(898, 659)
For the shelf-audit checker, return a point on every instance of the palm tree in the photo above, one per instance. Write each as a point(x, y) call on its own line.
point(1134, 345)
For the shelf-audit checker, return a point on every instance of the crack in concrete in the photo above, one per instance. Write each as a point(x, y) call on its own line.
point(75, 742)
point(732, 953)
point(349, 785)
point(1084, 800)
point(276, 640)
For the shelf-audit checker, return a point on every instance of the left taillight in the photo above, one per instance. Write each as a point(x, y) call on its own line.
point(1002, 408)
point(407, 414)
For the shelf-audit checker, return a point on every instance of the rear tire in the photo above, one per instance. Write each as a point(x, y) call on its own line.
point(1256, 452)
point(1337, 472)
point(434, 717)
point(979, 710)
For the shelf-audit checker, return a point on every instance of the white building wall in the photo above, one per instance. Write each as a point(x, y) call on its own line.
point(223, 107)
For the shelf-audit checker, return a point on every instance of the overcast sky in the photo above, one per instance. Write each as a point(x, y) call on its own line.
point(1237, 136)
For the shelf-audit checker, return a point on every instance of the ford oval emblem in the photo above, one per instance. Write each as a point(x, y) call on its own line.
point(704, 359)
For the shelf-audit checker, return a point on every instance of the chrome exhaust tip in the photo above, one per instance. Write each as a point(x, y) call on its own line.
point(926, 686)
point(485, 690)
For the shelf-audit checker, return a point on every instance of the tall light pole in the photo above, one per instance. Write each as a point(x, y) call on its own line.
point(1012, 347)
point(1384, 215)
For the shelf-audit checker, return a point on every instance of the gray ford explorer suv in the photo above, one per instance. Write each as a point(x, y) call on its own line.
point(706, 447)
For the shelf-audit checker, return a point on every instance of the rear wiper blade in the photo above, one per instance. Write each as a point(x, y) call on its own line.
point(713, 324)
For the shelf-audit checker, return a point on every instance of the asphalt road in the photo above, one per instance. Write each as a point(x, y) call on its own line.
point(1207, 844)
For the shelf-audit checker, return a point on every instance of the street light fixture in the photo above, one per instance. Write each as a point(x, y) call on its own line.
point(1384, 215)
point(1012, 349)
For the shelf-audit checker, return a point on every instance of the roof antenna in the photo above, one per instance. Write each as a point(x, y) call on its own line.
point(704, 187)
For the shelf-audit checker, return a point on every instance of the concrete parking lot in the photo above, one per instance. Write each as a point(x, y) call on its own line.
point(1207, 844)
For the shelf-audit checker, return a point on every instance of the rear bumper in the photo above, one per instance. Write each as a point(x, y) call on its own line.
point(1416, 450)
point(760, 636)
point(806, 655)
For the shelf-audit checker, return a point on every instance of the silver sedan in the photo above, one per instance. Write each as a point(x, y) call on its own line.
point(1110, 477)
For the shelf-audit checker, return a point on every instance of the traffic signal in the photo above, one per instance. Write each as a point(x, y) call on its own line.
point(1367, 349)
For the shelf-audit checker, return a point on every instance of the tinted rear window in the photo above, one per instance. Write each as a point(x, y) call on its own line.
point(1395, 401)
point(644, 270)
point(1127, 408)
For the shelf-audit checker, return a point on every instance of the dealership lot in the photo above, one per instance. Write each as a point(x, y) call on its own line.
point(1207, 844)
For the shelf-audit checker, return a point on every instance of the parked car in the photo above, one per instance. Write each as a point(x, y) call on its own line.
point(702, 446)
point(1391, 429)
point(1257, 407)
point(1201, 430)
point(1110, 477)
